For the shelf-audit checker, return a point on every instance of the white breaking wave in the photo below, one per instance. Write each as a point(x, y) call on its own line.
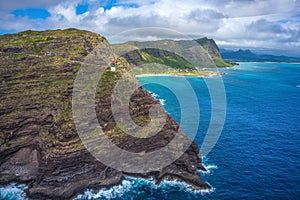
point(162, 102)
point(112, 193)
point(298, 86)
point(209, 167)
point(166, 184)
point(136, 185)
point(156, 96)
point(13, 192)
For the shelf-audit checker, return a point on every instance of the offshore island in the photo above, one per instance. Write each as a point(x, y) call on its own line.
point(39, 145)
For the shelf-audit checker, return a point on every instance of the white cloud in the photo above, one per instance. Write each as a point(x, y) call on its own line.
point(21, 4)
point(248, 23)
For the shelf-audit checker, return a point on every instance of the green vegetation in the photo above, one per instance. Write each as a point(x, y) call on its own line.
point(38, 71)
point(158, 69)
point(213, 50)
point(164, 57)
point(159, 61)
point(221, 63)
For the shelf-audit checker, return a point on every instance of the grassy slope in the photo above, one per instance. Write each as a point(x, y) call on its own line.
point(158, 61)
point(214, 52)
point(37, 75)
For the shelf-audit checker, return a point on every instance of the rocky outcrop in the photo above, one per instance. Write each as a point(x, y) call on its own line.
point(205, 51)
point(39, 144)
point(214, 51)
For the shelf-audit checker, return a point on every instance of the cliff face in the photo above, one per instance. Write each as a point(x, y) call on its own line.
point(210, 45)
point(39, 144)
point(152, 55)
point(214, 51)
point(205, 50)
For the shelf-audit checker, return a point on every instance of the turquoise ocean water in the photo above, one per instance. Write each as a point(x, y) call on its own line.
point(257, 154)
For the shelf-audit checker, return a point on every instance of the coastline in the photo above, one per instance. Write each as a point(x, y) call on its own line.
point(267, 62)
point(40, 143)
point(209, 75)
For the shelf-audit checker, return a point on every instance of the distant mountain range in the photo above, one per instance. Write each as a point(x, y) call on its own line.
point(249, 56)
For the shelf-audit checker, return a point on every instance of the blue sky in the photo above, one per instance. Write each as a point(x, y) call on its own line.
point(266, 25)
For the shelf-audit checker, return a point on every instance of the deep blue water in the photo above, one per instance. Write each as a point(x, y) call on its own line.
point(257, 154)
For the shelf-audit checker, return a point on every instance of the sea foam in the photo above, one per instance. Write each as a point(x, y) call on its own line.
point(209, 167)
point(13, 192)
point(111, 193)
point(132, 188)
point(156, 96)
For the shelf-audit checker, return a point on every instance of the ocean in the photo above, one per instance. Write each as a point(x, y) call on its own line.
point(257, 153)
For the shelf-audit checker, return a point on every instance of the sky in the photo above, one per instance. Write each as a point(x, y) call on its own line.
point(266, 26)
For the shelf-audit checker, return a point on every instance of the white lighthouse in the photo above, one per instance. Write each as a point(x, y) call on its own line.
point(113, 66)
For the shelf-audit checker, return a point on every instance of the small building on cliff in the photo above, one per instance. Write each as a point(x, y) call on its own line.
point(113, 66)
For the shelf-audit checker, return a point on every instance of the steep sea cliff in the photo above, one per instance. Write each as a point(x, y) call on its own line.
point(39, 145)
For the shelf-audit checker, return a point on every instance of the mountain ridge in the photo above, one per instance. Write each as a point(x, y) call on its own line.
point(190, 55)
point(249, 56)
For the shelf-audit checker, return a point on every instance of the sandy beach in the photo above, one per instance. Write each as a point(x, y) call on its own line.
point(209, 75)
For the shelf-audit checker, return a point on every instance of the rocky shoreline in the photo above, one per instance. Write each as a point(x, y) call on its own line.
point(39, 145)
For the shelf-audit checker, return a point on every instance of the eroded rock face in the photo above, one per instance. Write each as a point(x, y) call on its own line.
point(39, 144)
point(24, 164)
